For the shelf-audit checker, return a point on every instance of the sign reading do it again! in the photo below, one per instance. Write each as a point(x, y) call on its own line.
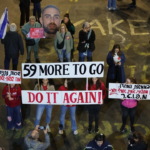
point(63, 70)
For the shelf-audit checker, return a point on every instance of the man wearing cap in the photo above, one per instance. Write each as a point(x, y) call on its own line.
point(26, 31)
point(13, 44)
point(50, 20)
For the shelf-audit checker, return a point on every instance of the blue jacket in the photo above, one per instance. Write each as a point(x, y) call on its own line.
point(111, 68)
point(93, 146)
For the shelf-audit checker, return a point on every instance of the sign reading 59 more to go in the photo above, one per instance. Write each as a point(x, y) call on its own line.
point(63, 70)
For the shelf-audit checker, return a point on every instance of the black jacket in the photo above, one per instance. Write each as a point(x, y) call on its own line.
point(140, 146)
point(36, 1)
point(12, 44)
point(24, 3)
point(83, 37)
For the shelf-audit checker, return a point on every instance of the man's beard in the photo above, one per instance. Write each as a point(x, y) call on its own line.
point(51, 28)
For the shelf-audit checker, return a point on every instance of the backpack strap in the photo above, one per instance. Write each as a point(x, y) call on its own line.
point(36, 145)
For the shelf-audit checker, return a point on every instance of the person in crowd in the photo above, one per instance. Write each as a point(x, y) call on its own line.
point(71, 29)
point(13, 44)
point(44, 86)
point(137, 142)
point(25, 11)
point(128, 107)
point(95, 84)
point(26, 31)
point(133, 4)
point(115, 60)
point(112, 5)
point(37, 9)
point(2, 148)
point(68, 86)
point(31, 140)
point(50, 20)
point(86, 44)
point(63, 43)
point(99, 143)
point(12, 95)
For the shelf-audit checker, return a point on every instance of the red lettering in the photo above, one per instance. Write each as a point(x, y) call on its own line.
point(10, 78)
point(80, 98)
point(31, 100)
point(86, 97)
point(99, 97)
point(66, 98)
point(2, 78)
point(75, 99)
point(17, 79)
point(93, 97)
point(41, 97)
point(48, 98)
point(54, 94)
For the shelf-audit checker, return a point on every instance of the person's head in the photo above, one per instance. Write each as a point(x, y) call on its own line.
point(34, 135)
point(12, 85)
point(138, 137)
point(63, 28)
point(50, 19)
point(45, 81)
point(96, 82)
point(66, 18)
point(116, 49)
point(131, 80)
point(99, 139)
point(86, 26)
point(32, 20)
point(13, 27)
point(69, 84)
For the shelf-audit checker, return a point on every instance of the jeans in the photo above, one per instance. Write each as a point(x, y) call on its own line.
point(14, 62)
point(37, 10)
point(67, 56)
point(14, 117)
point(35, 48)
point(39, 112)
point(94, 112)
point(112, 3)
point(72, 115)
point(128, 111)
point(82, 56)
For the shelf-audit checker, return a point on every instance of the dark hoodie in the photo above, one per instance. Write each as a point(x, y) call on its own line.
point(92, 145)
point(12, 44)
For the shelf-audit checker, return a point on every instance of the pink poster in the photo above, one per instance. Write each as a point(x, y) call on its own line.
point(36, 33)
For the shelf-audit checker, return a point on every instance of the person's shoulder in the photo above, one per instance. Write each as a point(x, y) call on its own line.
point(61, 87)
point(91, 143)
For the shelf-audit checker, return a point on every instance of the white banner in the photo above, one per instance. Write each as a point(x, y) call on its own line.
point(63, 70)
point(62, 97)
point(10, 76)
point(129, 91)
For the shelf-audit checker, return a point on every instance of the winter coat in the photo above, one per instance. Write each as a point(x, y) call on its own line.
point(92, 145)
point(13, 44)
point(68, 42)
point(140, 146)
point(111, 68)
point(83, 37)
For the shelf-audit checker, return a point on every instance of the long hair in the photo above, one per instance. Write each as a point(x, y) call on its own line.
point(133, 80)
point(66, 15)
point(113, 50)
point(98, 84)
point(70, 84)
point(100, 137)
point(139, 136)
point(63, 25)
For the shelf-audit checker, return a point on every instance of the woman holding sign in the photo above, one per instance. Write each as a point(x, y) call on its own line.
point(128, 107)
point(95, 84)
point(63, 43)
point(12, 95)
point(44, 86)
point(68, 86)
point(115, 60)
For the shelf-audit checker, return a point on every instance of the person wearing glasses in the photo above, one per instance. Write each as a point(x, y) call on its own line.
point(86, 44)
point(63, 43)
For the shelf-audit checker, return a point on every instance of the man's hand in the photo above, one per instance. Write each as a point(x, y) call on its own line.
point(119, 63)
point(37, 127)
point(45, 131)
point(26, 35)
point(10, 98)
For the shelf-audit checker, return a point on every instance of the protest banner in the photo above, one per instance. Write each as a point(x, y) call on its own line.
point(63, 70)
point(36, 33)
point(62, 97)
point(10, 76)
point(129, 91)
